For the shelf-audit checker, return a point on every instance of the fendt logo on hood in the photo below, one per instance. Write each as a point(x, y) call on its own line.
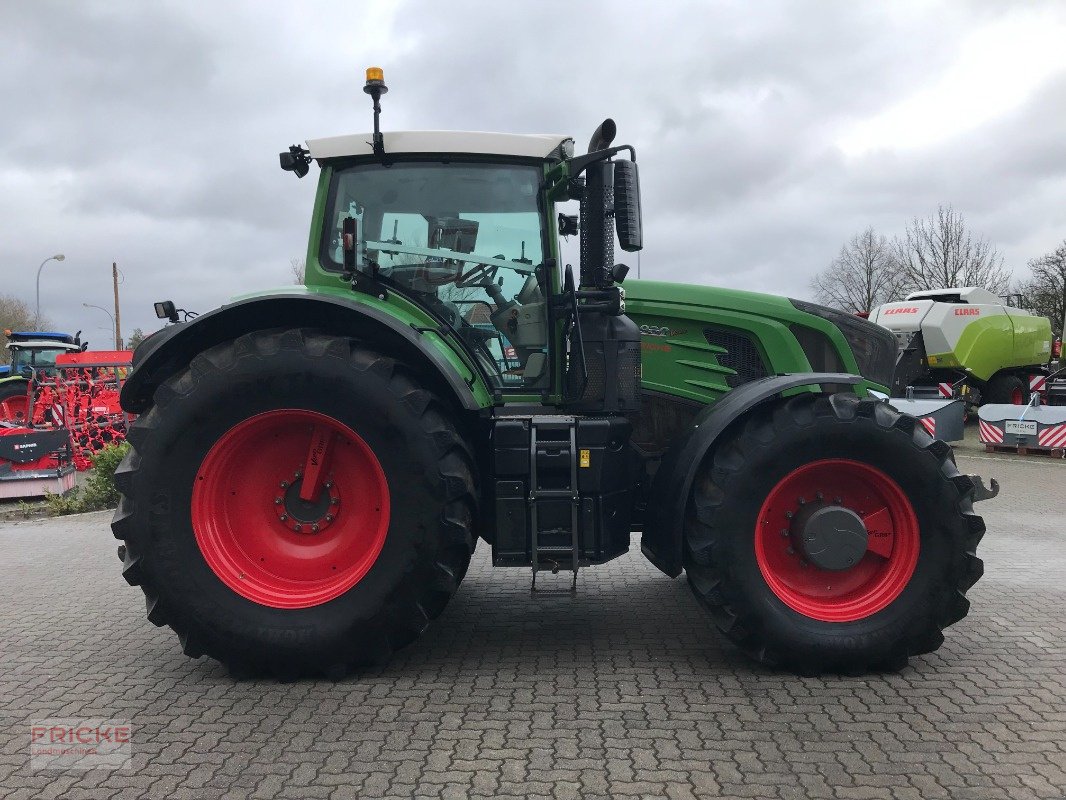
point(902, 310)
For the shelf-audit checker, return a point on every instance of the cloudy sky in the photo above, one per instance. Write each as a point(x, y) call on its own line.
point(767, 132)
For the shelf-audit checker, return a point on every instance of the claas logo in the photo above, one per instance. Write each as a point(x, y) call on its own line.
point(967, 312)
point(902, 310)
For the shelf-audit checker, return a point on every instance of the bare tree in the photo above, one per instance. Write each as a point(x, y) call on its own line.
point(940, 253)
point(297, 268)
point(862, 276)
point(1045, 291)
point(16, 315)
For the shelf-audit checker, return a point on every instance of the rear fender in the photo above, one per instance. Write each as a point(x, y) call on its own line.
point(662, 539)
point(165, 353)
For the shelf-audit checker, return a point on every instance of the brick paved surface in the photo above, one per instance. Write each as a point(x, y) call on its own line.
point(624, 690)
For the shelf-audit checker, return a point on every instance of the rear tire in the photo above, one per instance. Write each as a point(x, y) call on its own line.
point(195, 520)
point(800, 616)
point(14, 405)
point(1007, 389)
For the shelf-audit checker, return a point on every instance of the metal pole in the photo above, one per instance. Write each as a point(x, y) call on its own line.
point(118, 317)
point(37, 314)
point(101, 308)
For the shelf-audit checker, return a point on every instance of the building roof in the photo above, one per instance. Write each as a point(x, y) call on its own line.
point(525, 145)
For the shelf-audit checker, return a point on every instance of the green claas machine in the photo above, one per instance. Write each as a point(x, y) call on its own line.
point(969, 342)
point(311, 468)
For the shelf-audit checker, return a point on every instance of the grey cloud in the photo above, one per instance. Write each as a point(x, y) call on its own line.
point(148, 133)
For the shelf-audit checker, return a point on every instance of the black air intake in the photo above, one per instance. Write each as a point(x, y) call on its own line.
point(612, 363)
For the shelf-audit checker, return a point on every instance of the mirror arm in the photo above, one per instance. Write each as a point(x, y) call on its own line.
point(579, 164)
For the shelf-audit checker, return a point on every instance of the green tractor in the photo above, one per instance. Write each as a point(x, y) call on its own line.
point(311, 468)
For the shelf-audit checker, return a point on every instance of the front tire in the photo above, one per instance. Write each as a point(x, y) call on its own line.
point(1008, 389)
point(861, 464)
point(248, 567)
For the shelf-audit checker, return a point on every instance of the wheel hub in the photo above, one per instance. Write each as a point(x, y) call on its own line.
point(306, 516)
point(850, 510)
point(831, 537)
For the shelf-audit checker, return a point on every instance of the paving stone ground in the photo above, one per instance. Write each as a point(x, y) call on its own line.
point(623, 690)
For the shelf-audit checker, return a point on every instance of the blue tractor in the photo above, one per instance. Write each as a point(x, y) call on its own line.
point(30, 351)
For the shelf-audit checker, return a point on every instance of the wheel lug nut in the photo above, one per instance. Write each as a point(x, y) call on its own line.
point(334, 501)
point(329, 518)
point(284, 484)
point(298, 527)
point(277, 501)
point(788, 515)
point(784, 532)
point(283, 517)
point(802, 502)
point(315, 527)
point(328, 484)
point(298, 474)
point(819, 496)
point(837, 500)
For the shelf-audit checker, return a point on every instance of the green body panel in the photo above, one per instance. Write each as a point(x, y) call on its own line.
point(996, 342)
point(680, 361)
point(12, 379)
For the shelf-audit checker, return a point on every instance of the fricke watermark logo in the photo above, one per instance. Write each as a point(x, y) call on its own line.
point(81, 744)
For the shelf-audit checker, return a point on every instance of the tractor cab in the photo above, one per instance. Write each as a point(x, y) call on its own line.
point(463, 225)
point(466, 241)
point(30, 350)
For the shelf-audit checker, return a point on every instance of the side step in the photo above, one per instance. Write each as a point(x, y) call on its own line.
point(553, 479)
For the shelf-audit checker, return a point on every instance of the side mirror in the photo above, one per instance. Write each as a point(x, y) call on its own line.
point(350, 242)
point(627, 217)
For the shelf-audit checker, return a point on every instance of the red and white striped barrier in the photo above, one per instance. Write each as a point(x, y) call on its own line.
point(1054, 436)
point(1038, 383)
point(945, 389)
point(989, 434)
point(929, 424)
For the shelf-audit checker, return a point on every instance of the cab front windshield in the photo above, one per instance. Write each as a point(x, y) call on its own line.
point(465, 241)
point(38, 358)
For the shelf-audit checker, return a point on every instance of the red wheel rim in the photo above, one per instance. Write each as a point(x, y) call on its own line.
point(257, 534)
point(14, 408)
point(1017, 397)
point(876, 579)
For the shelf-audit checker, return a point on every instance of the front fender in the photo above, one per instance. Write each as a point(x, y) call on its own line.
point(165, 353)
point(662, 538)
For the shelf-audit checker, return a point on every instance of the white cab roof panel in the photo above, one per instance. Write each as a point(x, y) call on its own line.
point(967, 294)
point(525, 145)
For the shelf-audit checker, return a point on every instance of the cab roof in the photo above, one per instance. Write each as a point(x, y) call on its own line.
point(964, 294)
point(523, 145)
point(28, 335)
point(41, 344)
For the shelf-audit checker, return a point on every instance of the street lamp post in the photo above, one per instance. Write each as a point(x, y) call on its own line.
point(37, 316)
point(114, 329)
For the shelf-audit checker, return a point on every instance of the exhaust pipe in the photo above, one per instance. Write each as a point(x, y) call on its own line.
point(603, 136)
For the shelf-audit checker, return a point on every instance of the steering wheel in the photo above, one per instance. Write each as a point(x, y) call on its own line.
point(486, 273)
